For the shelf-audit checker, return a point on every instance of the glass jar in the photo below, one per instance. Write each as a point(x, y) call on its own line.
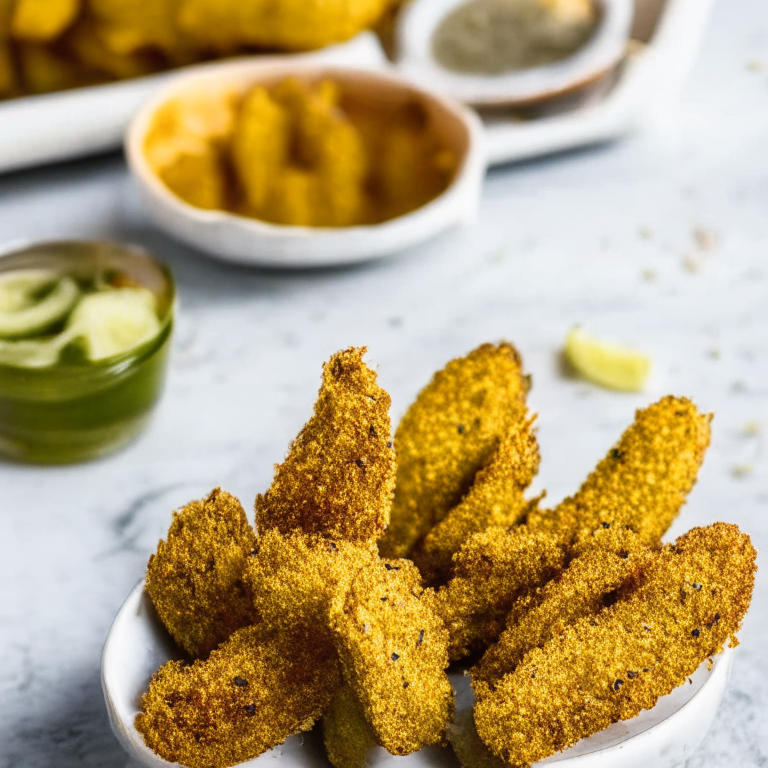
point(75, 410)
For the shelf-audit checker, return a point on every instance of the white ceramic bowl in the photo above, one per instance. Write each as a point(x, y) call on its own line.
point(246, 240)
point(602, 53)
point(137, 645)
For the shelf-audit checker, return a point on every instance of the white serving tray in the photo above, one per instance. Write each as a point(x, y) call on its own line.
point(43, 129)
point(35, 130)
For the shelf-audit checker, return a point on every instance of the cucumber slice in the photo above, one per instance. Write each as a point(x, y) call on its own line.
point(112, 322)
point(34, 300)
point(609, 365)
point(32, 353)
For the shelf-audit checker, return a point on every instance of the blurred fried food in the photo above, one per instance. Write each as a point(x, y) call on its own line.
point(253, 692)
point(448, 435)
point(39, 21)
point(338, 478)
point(299, 159)
point(393, 652)
point(609, 667)
point(494, 500)
point(287, 25)
point(643, 481)
point(196, 578)
point(490, 572)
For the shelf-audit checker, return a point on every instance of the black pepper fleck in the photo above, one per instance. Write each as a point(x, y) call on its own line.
point(697, 587)
point(696, 632)
point(372, 431)
point(647, 669)
point(617, 684)
point(332, 547)
point(254, 552)
point(359, 462)
point(461, 429)
point(405, 685)
point(391, 567)
point(250, 709)
point(421, 637)
point(240, 682)
point(384, 599)
point(395, 657)
point(606, 525)
point(390, 444)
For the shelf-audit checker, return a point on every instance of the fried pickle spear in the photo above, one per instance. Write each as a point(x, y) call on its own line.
point(289, 24)
point(611, 666)
point(196, 578)
point(253, 692)
point(602, 564)
point(295, 578)
point(448, 435)
point(643, 481)
point(491, 572)
point(393, 653)
point(339, 475)
point(494, 500)
point(348, 736)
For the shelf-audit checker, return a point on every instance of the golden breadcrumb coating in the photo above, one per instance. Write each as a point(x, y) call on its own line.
point(295, 578)
point(603, 563)
point(448, 435)
point(195, 580)
point(491, 571)
point(643, 481)
point(347, 735)
point(288, 24)
point(253, 692)
point(609, 667)
point(339, 476)
point(494, 500)
point(393, 653)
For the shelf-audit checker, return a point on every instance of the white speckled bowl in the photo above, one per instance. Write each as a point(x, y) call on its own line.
point(602, 53)
point(249, 241)
point(137, 645)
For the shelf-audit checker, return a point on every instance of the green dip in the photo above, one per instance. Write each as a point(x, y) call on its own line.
point(84, 337)
point(493, 37)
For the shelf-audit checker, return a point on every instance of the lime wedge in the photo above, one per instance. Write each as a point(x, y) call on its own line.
point(34, 300)
point(609, 365)
point(115, 321)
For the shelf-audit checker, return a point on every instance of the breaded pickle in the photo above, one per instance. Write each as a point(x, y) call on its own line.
point(603, 563)
point(347, 735)
point(494, 500)
point(643, 481)
point(450, 433)
point(195, 579)
point(295, 578)
point(253, 692)
point(609, 667)
point(491, 571)
point(393, 653)
point(339, 476)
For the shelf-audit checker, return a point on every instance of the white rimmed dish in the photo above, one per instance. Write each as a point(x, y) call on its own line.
point(137, 645)
point(250, 241)
point(419, 20)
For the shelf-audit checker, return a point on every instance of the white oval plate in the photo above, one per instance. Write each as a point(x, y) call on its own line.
point(602, 53)
point(240, 239)
point(138, 645)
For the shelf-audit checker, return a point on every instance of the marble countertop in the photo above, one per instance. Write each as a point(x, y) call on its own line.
point(606, 237)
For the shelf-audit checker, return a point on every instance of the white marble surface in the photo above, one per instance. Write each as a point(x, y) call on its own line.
point(601, 237)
